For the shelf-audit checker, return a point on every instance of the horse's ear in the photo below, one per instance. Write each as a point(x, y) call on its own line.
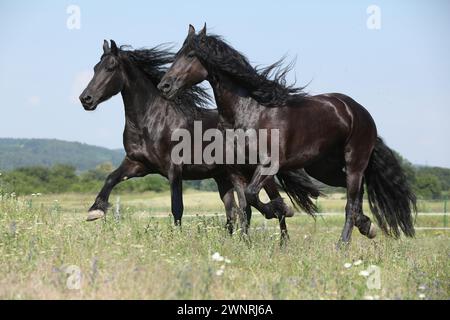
point(191, 30)
point(106, 48)
point(203, 31)
point(114, 49)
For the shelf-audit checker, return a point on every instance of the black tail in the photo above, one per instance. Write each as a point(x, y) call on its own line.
point(390, 197)
point(300, 189)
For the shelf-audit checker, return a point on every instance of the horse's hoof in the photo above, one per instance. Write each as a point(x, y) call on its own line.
point(372, 231)
point(342, 245)
point(284, 239)
point(95, 214)
point(289, 212)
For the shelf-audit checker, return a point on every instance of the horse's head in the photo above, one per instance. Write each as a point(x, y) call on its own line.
point(187, 69)
point(108, 78)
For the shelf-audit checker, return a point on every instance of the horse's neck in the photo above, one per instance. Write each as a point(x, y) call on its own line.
point(139, 95)
point(233, 101)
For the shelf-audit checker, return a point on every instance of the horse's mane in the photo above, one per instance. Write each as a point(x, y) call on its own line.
point(153, 62)
point(266, 85)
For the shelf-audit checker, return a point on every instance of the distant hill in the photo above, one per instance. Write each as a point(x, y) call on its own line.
point(427, 182)
point(15, 153)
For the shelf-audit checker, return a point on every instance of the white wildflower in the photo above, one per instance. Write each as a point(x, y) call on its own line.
point(368, 297)
point(422, 296)
point(217, 257)
point(364, 273)
point(347, 265)
point(227, 261)
point(422, 287)
point(357, 262)
point(219, 272)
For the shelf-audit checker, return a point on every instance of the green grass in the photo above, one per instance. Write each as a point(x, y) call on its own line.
point(158, 203)
point(142, 256)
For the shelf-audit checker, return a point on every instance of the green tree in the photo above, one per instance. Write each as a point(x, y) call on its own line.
point(428, 186)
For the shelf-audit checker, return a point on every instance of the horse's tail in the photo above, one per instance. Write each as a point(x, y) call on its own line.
point(391, 199)
point(300, 189)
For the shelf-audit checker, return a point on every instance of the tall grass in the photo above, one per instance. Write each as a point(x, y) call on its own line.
point(142, 256)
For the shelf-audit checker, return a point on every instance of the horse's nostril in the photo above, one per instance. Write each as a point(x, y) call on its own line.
point(86, 99)
point(164, 87)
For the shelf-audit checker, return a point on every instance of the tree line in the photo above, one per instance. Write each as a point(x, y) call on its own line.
point(427, 182)
point(62, 178)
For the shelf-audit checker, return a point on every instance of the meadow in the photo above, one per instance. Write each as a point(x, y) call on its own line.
point(48, 251)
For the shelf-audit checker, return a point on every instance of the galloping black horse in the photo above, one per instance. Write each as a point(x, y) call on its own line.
point(150, 121)
point(330, 135)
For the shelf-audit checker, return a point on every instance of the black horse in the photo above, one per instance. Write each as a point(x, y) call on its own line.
point(330, 135)
point(150, 120)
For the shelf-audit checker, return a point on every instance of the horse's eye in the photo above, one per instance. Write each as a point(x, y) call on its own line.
point(111, 66)
point(191, 54)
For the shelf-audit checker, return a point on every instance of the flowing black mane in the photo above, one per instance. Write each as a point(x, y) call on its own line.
point(153, 62)
point(266, 85)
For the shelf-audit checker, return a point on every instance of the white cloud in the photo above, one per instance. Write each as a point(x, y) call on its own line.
point(79, 83)
point(34, 100)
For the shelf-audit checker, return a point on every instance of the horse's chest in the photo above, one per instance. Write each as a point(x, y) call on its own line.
point(144, 147)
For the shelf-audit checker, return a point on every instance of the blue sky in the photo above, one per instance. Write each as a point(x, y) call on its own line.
point(400, 73)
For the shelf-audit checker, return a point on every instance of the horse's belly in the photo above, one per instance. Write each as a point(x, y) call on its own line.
point(201, 171)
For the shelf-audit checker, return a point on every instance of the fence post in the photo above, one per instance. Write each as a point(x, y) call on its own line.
point(445, 211)
point(117, 211)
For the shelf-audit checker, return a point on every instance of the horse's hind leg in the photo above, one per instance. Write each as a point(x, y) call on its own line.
point(352, 207)
point(363, 222)
point(356, 163)
point(329, 171)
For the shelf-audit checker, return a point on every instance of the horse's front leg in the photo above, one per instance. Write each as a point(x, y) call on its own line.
point(176, 193)
point(258, 181)
point(276, 206)
point(271, 189)
point(239, 184)
point(128, 169)
point(226, 192)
